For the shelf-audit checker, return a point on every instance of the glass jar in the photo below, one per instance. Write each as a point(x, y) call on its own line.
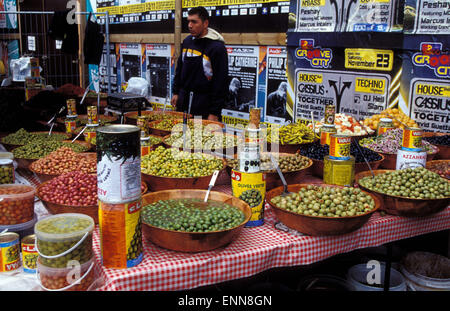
point(7, 171)
point(145, 145)
point(384, 125)
point(325, 133)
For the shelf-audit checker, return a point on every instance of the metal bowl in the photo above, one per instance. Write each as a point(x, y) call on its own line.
point(131, 117)
point(46, 177)
point(90, 210)
point(272, 178)
point(401, 206)
point(317, 167)
point(316, 225)
point(159, 183)
point(193, 241)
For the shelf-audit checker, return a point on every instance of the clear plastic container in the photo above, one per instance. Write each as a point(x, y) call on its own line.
point(74, 278)
point(23, 230)
point(64, 237)
point(16, 204)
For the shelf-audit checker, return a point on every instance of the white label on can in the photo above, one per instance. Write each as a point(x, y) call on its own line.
point(119, 181)
point(249, 158)
point(410, 159)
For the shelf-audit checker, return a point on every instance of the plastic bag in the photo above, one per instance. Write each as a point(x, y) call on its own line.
point(137, 86)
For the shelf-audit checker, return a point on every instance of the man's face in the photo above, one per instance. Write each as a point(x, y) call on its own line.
point(196, 26)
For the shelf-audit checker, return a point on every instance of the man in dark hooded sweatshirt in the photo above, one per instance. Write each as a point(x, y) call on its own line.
point(201, 76)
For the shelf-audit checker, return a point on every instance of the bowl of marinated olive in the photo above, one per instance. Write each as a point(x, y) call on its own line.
point(409, 192)
point(441, 167)
point(27, 154)
point(164, 169)
point(322, 210)
point(289, 138)
point(179, 220)
point(166, 127)
point(23, 137)
point(209, 142)
point(293, 166)
point(154, 115)
point(442, 141)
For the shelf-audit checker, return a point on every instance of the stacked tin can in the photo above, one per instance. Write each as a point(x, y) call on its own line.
point(339, 165)
point(71, 122)
point(411, 154)
point(328, 128)
point(142, 123)
point(249, 183)
point(119, 194)
point(90, 133)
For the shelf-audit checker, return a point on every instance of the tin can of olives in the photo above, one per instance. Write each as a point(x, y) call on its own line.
point(71, 124)
point(71, 107)
point(325, 133)
point(384, 125)
point(120, 234)
point(29, 254)
point(330, 112)
point(118, 163)
point(142, 123)
point(90, 132)
point(339, 172)
point(250, 188)
point(340, 147)
point(412, 139)
point(92, 115)
point(9, 251)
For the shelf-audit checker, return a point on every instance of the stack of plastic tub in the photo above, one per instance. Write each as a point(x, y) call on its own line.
point(66, 259)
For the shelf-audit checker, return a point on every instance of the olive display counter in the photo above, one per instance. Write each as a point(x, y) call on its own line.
point(254, 250)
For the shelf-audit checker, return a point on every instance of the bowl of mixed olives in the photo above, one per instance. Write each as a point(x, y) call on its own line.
point(179, 220)
point(154, 115)
point(293, 166)
point(322, 210)
point(208, 142)
point(164, 169)
point(408, 192)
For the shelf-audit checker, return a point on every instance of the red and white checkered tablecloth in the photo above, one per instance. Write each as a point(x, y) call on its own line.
point(255, 250)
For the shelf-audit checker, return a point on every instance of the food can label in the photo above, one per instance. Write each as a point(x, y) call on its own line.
point(9, 255)
point(342, 174)
point(340, 147)
point(330, 114)
point(251, 188)
point(71, 126)
point(29, 257)
point(412, 139)
point(92, 115)
point(325, 138)
point(410, 159)
point(142, 123)
point(250, 158)
point(383, 129)
point(119, 181)
point(71, 107)
point(120, 234)
point(89, 135)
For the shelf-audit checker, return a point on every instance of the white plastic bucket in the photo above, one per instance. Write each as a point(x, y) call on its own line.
point(357, 279)
point(424, 271)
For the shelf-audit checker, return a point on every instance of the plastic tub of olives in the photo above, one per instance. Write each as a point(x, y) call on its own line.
point(64, 237)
